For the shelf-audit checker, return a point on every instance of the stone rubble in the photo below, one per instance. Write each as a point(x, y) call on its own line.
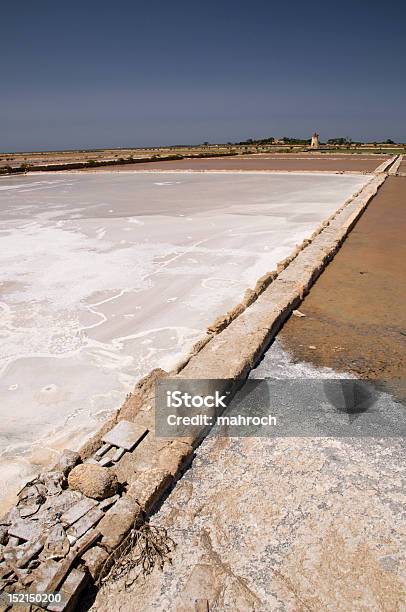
point(67, 522)
point(93, 481)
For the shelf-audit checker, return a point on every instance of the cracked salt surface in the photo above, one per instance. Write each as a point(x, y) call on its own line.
point(106, 276)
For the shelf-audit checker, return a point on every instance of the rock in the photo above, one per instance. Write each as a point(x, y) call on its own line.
point(54, 507)
point(91, 518)
point(29, 552)
point(149, 487)
point(142, 395)
point(126, 434)
point(77, 511)
point(118, 521)
point(143, 457)
point(175, 456)
point(93, 481)
point(109, 501)
point(94, 560)
point(66, 462)
point(56, 545)
point(3, 534)
point(297, 313)
point(102, 451)
point(71, 586)
point(70, 590)
point(125, 469)
point(53, 482)
point(30, 498)
point(43, 576)
point(25, 530)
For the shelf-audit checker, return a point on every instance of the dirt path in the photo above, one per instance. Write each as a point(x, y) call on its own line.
point(355, 313)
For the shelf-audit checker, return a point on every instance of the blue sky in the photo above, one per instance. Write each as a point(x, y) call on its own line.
point(131, 73)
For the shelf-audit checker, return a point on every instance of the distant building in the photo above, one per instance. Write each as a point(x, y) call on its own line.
point(315, 141)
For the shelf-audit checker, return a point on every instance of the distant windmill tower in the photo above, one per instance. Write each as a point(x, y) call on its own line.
point(315, 141)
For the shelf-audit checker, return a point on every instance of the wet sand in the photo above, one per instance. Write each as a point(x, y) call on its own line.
point(355, 313)
point(275, 162)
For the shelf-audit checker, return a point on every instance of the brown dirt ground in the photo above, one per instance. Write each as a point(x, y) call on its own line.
point(297, 162)
point(355, 312)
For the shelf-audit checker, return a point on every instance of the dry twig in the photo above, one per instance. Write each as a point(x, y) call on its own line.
point(143, 549)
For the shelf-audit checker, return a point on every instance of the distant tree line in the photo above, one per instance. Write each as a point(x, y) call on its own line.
point(255, 141)
point(339, 141)
point(287, 140)
point(349, 141)
point(297, 141)
point(272, 140)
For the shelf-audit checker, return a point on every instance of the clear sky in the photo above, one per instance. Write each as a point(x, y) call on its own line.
point(137, 73)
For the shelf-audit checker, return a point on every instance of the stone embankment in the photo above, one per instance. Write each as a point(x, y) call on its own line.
point(395, 168)
point(70, 523)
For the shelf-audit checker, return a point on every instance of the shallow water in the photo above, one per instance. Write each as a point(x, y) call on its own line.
point(106, 276)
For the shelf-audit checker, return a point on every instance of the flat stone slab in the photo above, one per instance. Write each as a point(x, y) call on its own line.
point(102, 451)
point(78, 529)
point(94, 558)
point(56, 545)
point(43, 576)
point(125, 435)
point(32, 550)
point(70, 591)
point(78, 510)
point(25, 530)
